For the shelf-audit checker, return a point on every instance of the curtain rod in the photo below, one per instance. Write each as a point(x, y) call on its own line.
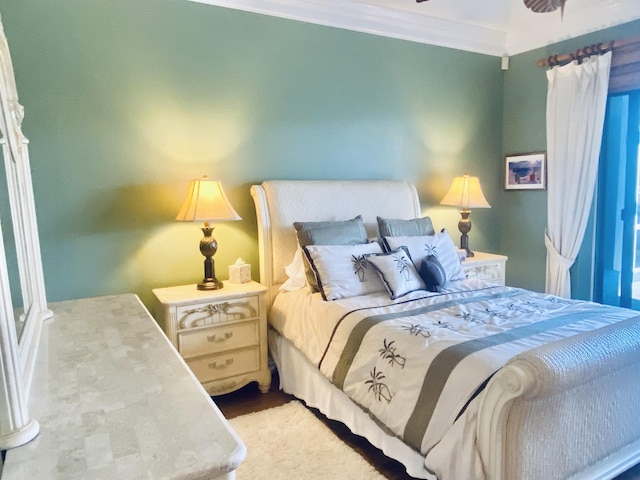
point(584, 52)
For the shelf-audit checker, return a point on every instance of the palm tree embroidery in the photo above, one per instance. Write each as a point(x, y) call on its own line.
point(537, 308)
point(380, 390)
point(431, 250)
point(389, 353)
point(442, 324)
point(415, 329)
point(471, 318)
point(520, 308)
point(360, 264)
point(496, 313)
point(402, 265)
point(466, 316)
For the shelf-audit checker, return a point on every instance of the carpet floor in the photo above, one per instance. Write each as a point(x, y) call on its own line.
point(248, 399)
point(288, 442)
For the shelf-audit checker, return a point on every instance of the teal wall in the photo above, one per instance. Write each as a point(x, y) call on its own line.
point(127, 100)
point(524, 214)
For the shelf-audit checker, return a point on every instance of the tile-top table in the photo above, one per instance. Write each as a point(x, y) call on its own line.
point(114, 400)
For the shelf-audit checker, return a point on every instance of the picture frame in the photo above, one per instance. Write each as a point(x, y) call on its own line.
point(525, 171)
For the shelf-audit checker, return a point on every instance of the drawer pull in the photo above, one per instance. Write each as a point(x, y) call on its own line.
point(213, 339)
point(215, 366)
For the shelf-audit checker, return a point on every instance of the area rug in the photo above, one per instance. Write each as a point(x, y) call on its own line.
point(289, 442)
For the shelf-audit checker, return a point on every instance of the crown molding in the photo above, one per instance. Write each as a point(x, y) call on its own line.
point(378, 21)
point(525, 31)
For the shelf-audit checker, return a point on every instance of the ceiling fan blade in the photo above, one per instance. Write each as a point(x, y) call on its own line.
point(544, 6)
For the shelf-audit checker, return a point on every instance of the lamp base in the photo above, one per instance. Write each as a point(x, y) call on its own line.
point(210, 284)
point(469, 252)
point(208, 248)
point(464, 226)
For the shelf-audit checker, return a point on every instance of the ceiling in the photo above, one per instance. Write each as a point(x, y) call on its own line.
point(493, 27)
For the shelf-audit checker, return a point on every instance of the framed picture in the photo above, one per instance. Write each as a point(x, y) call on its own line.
point(526, 171)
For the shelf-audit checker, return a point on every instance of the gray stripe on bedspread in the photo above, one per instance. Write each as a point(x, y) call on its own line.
point(446, 361)
point(360, 330)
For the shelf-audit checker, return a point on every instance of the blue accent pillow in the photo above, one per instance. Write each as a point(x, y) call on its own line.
point(339, 232)
point(432, 273)
point(392, 227)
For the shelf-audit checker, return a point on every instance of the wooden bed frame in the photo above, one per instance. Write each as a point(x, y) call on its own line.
point(565, 410)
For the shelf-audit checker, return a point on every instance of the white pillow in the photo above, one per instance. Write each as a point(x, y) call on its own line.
point(342, 270)
point(397, 272)
point(296, 273)
point(439, 245)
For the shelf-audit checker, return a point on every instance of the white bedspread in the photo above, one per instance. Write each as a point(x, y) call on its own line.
point(415, 364)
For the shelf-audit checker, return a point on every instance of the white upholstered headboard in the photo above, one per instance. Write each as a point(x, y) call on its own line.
point(279, 203)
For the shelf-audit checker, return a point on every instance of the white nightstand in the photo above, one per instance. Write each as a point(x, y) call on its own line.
point(486, 266)
point(222, 334)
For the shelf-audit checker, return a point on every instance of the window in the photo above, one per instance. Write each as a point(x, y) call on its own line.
point(617, 258)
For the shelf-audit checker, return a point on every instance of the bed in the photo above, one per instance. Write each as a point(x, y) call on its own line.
point(514, 385)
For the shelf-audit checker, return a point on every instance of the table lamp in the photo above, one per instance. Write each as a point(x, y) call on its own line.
point(206, 202)
point(466, 193)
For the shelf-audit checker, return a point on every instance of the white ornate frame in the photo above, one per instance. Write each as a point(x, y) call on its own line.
point(17, 356)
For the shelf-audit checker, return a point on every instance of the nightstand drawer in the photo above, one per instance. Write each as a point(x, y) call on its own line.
point(211, 313)
point(486, 266)
point(223, 365)
point(490, 272)
point(220, 338)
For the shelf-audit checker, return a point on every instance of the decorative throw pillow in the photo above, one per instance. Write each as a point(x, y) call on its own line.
point(342, 270)
point(432, 273)
point(340, 232)
point(397, 272)
point(439, 245)
point(391, 227)
point(296, 275)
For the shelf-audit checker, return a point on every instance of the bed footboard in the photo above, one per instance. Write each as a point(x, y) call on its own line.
point(553, 410)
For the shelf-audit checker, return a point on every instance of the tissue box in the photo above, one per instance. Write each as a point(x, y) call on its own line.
point(240, 273)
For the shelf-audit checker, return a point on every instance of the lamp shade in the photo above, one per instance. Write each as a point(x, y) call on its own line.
point(466, 193)
point(205, 202)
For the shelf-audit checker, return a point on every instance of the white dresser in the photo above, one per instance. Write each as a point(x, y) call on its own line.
point(486, 266)
point(221, 334)
point(115, 401)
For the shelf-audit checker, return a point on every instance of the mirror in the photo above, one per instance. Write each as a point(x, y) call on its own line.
point(17, 357)
point(10, 251)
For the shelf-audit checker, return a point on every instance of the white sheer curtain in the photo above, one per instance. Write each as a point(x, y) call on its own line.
point(576, 100)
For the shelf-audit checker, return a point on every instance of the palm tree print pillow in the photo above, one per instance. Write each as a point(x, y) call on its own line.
point(340, 232)
point(397, 272)
point(439, 245)
point(342, 271)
